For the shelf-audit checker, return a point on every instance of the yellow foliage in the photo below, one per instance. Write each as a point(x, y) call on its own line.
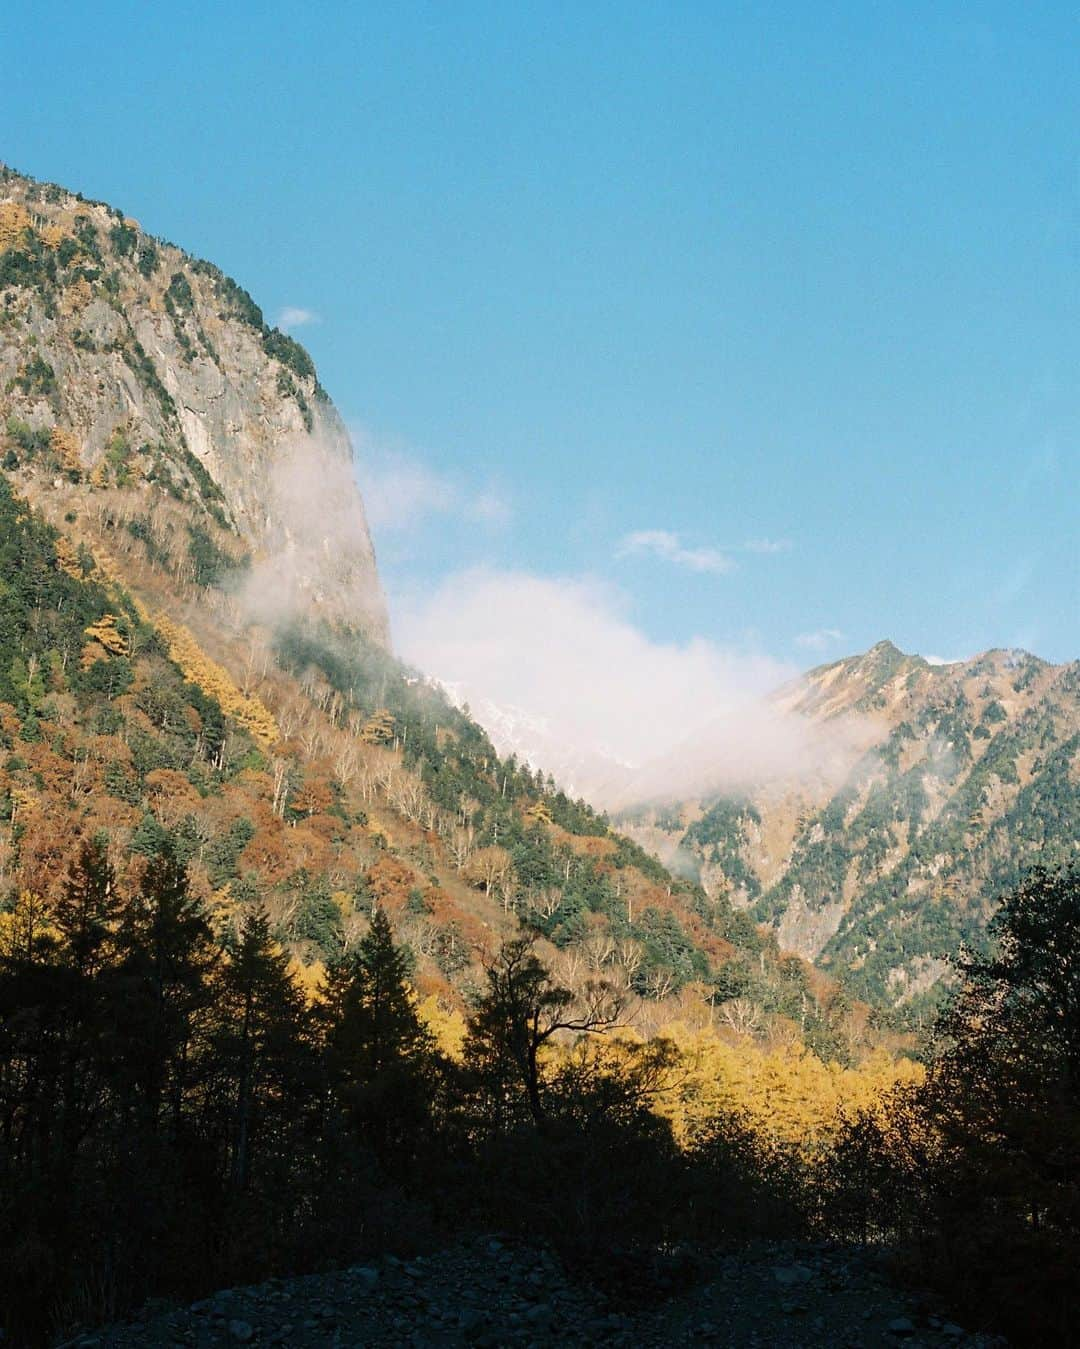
point(448, 1028)
point(52, 236)
point(222, 909)
point(66, 448)
point(67, 558)
point(26, 928)
point(14, 219)
point(308, 978)
point(106, 634)
point(22, 802)
point(246, 709)
point(788, 1094)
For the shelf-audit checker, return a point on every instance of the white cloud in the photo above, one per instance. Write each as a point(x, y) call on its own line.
point(766, 546)
point(563, 653)
point(944, 660)
point(400, 491)
point(294, 317)
point(820, 640)
point(664, 544)
point(667, 545)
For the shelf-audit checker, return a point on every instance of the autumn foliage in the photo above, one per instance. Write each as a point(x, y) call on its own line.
point(282, 935)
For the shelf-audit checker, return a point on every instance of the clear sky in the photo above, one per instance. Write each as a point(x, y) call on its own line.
point(758, 322)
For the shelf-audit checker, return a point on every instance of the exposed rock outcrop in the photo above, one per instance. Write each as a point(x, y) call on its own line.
point(138, 367)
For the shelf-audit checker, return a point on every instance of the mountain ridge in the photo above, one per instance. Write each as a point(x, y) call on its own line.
point(957, 778)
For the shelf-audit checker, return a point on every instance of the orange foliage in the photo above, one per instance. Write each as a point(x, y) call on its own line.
point(313, 797)
point(390, 881)
point(171, 795)
point(268, 853)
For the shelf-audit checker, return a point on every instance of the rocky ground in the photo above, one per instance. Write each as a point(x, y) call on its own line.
point(493, 1292)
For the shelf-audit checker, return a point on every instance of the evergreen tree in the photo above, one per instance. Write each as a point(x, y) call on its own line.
point(378, 1051)
point(168, 951)
point(88, 909)
point(1002, 1101)
point(260, 1050)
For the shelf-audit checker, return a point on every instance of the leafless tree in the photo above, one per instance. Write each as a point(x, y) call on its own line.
point(629, 958)
point(742, 1015)
point(599, 950)
point(280, 771)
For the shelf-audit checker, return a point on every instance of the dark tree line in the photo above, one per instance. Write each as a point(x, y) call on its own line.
point(976, 1174)
point(175, 1115)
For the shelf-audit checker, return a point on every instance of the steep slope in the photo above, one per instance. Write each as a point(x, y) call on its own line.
point(202, 660)
point(150, 375)
point(959, 778)
point(301, 770)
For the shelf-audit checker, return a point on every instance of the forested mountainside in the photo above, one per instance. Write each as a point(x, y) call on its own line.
point(323, 781)
point(223, 802)
point(177, 670)
point(960, 777)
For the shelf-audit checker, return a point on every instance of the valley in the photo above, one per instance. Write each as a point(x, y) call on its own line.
point(313, 986)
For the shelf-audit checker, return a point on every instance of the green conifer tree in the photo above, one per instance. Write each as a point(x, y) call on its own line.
point(260, 1051)
point(378, 1051)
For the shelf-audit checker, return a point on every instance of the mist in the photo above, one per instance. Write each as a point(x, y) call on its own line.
point(554, 668)
point(315, 555)
point(556, 671)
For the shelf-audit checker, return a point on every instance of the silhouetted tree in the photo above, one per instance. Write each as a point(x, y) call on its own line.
point(1004, 1101)
point(167, 952)
point(260, 1050)
point(87, 912)
point(522, 1010)
point(379, 1054)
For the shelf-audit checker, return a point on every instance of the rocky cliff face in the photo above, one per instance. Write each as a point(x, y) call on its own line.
point(127, 363)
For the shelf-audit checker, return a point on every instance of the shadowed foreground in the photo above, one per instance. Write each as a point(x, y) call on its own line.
point(495, 1292)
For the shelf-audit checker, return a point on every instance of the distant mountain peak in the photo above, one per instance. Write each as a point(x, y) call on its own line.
point(957, 778)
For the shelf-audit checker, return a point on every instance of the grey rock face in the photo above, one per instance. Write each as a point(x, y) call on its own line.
point(108, 336)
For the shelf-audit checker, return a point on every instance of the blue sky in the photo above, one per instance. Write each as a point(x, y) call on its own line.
point(759, 322)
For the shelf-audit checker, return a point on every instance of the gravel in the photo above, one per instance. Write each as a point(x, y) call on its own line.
point(493, 1291)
